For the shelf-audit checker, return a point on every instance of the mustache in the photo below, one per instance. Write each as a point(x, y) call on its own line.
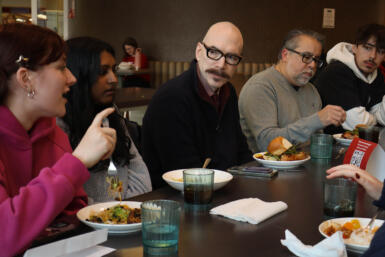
point(371, 61)
point(218, 73)
point(310, 71)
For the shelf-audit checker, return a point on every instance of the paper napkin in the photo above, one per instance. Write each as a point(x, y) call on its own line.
point(82, 245)
point(252, 210)
point(332, 246)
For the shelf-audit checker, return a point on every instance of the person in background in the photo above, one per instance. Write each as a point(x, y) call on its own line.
point(353, 81)
point(92, 62)
point(375, 190)
point(134, 55)
point(195, 115)
point(280, 101)
point(40, 177)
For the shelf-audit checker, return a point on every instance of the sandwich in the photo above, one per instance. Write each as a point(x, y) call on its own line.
point(280, 149)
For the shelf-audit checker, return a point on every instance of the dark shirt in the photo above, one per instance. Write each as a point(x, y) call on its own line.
point(180, 129)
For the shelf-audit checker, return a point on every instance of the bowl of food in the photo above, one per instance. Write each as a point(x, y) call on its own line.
point(118, 217)
point(356, 237)
point(175, 179)
point(281, 154)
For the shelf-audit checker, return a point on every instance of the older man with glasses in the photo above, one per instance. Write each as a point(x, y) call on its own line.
point(353, 81)
point(280, 101)
point(195, 115)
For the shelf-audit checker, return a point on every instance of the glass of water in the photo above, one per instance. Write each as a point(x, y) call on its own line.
point(160, 227)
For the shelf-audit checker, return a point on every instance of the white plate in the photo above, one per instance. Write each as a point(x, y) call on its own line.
point(342, 141)
point(221, 178)
point(280, 165)
point(84, 214)
point(363, 221)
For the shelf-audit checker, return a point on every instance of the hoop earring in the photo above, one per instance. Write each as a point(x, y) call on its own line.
point(31, 93)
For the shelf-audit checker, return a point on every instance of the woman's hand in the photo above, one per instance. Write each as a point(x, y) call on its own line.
point(98, 143)
point(371, 184)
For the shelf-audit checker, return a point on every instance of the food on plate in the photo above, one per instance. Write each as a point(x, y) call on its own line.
point(350, 134)
point(118, 214)
point(177, 179)
point(352, 232)
point(280, 149)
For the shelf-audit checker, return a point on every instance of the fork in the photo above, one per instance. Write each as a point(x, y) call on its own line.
point(371, 222)
point(112, 172)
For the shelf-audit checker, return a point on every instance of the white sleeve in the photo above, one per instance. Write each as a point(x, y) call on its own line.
point(358, 115)
point(378, 111)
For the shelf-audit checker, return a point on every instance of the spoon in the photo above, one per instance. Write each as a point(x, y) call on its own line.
point(207, 161)
point(340, 152)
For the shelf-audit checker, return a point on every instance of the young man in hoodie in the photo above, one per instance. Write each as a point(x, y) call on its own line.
point(280, 101)
point(353, 81)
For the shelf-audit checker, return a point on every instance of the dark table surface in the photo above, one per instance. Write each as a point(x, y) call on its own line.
point(133, 96)
point(202, 234)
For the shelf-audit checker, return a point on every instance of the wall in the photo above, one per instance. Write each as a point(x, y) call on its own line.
point(169, 29)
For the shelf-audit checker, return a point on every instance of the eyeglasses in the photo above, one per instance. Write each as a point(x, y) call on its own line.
point(308, 58)
point(216, 54)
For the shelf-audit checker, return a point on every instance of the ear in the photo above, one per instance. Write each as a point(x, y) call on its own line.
point(22, 77)
point(354, 49)
point(284, 54)
point(198, 50)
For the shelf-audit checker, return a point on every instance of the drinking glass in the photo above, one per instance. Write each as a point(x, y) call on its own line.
point(369, 133)
point(339, 197)
point(160, 227)
point(321, 146)
point(198, 185)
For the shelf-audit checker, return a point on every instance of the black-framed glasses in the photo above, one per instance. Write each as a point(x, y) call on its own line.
point(308, 58)
point(216, 54)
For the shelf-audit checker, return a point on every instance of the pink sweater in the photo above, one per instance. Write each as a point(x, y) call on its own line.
point(39, 179)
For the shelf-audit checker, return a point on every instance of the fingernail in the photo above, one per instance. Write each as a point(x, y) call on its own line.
point(358, 176)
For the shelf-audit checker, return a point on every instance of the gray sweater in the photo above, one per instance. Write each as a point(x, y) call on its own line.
point(135, 177)
point(269, 106)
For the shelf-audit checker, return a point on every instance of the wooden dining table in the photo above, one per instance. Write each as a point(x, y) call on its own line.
point(206, 235)
point(133, 96)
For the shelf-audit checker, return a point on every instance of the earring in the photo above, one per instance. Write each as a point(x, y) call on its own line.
point(31, 93)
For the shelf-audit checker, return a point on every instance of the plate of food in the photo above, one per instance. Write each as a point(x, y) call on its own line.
point(281, 154)
point(354, 234)
point(175, 179)
point(118, 217)
point(346, 138)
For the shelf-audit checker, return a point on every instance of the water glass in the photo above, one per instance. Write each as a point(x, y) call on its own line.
point(198, 185)
point(321, 146)
point(339, 197)
point(160, 227)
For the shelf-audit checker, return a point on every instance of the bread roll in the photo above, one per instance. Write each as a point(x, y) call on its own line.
point(278, 146)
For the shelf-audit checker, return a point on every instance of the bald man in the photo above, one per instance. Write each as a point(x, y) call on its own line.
point(195, 115)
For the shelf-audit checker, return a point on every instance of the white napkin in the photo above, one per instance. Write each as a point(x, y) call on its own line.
point(332, 246)
point(252, 210)
point(82, 245)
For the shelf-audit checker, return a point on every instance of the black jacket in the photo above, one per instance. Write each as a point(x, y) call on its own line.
point(338, 85)
point(180, 130)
